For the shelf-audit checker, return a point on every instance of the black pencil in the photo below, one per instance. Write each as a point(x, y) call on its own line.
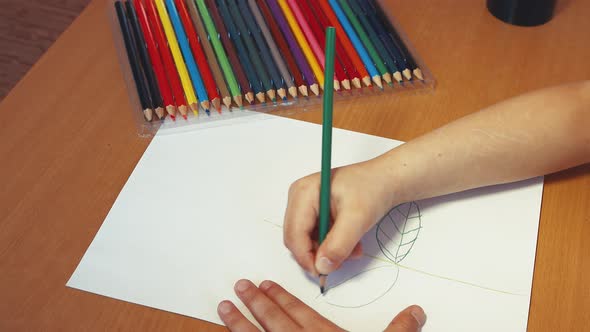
point(141, 85)
point(396, 39)
point(146, 63)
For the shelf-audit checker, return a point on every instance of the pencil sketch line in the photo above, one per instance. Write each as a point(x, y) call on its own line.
point(394, 281)
point(443, 277)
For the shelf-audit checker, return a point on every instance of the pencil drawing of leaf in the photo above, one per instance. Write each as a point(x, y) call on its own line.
point(398, 231)
point(367, 283)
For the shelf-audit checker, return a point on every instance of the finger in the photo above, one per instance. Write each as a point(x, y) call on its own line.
point(295, 308)
point(300, 221)
point(340, 241)
point(233, 318)
point(357, 252)
point(266, 312)
point(410, 319)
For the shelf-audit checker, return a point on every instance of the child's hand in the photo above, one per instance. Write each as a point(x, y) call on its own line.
point(359, 198)
point(277, 310)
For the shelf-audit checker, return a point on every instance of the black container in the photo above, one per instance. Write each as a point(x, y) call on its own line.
point(522, 12)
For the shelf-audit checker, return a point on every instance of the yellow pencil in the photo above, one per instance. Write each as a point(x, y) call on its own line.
point(313, 62)
point(187, 84)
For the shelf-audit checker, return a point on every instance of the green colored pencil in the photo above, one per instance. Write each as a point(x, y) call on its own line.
point(220, 52)
point(366, 41)
point(328, 101)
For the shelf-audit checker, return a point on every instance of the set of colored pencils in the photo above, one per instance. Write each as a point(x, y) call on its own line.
point(197, 55)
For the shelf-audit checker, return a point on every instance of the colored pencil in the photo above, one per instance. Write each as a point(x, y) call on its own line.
point(199, 56)
point(342, 57)
point(263, 49)
point(187, 54)
point(185, 79)
point(228, 73)
point(283, 48)
point(377, 60)
point(397, 40)
point(254, 79)
point(156, 59)
point(168, 61)
point(302, 41)
point(310, 37)
point(132, 56)
point(239, 70)
point(233, 12)
point(358, 56)
point(274, 50)
point(326, 170)
point(374, 39)
point(145, 62)
point(317, 31)
point(298, 55)
point(384, 36)
point(210, 54)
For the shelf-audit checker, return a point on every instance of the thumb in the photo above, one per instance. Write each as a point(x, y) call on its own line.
point(340, 242)
point(410, 319)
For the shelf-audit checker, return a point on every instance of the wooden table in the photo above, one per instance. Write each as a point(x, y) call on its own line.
point(68, 144)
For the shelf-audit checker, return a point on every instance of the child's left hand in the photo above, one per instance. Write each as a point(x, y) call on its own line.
point(277, 310)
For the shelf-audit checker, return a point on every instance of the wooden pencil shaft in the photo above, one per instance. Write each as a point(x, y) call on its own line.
point(249, 43)
point(263, 48)
point(327, 136)
point(144, 58)
point(272, 46)
point(239, 70)
point(131, 54)
point(209, 52)
point(394, 34)
point(372, 36)
point(228, 73)
point(254, 80)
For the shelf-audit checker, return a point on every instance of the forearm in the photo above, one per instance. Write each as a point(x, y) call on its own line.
point(523, 137)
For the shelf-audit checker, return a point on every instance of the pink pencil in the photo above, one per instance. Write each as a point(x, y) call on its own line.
point(313, 42)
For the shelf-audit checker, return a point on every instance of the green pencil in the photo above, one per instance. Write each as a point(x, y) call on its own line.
point(220, 51)
point(328, 100)
point(379, 63)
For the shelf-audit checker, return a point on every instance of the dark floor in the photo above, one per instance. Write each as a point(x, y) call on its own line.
point(27, 29)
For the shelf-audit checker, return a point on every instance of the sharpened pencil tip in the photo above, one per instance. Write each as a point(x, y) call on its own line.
point(322, 290)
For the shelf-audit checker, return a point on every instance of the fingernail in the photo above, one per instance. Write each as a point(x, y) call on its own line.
point(242, 285)
point(324, 265)
point(419, 315)
point(265, 285)
point(224, 307)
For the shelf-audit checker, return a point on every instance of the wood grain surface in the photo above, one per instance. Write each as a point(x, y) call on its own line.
point(28, 30)
point(68, 143)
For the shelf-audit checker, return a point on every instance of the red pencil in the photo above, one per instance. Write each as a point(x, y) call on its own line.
point(341, 54)
point(154, 20)
point(282, 44)
point(346, 43)
point(321, 38)
point(155, 59)
point(199, 55)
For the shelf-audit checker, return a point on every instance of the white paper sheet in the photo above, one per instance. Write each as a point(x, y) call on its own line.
point(204, 208)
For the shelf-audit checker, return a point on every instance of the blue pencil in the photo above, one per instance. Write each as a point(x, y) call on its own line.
point(191, 65)
point(354, 38)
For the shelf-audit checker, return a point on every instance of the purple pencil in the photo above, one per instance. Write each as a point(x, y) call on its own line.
point(297, 53)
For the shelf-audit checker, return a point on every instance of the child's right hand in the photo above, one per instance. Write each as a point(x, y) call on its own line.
point(359, 198)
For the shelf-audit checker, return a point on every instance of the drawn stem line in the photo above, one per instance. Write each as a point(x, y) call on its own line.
point(428, 273)
point(443, 277)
